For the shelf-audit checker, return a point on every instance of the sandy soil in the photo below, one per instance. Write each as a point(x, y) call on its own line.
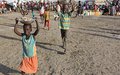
point(93, 47)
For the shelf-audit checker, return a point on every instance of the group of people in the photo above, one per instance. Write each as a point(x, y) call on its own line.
point(29, 63)
point(107, 8)
point(113, 7)
point(41, 8)
point(3, 8)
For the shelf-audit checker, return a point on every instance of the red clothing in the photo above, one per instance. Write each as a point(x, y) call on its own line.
point(47, 23)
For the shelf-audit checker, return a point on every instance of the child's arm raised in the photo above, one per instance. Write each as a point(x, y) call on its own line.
point(15, 28)
point(37, 27)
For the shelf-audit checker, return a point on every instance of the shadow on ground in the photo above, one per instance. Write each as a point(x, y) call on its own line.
point(6, 70)
point(39, 44)
point(96, 31)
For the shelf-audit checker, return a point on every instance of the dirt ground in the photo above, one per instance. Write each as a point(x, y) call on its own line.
point(93, 47)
